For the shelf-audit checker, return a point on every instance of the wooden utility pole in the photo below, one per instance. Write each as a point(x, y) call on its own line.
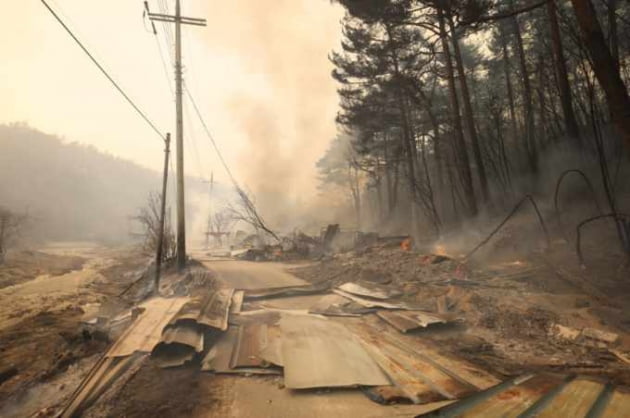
point(178, 19)
point(160, 243)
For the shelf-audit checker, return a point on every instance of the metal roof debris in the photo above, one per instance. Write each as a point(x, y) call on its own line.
point(145, 332)
point(104, 373)
point(237, 301)
point(405, 321)
point(373, 303)
point(285, 291)
point(372, 290)
point(417, 372)
point(322, 353)
point(336, 305)
point(543, 395)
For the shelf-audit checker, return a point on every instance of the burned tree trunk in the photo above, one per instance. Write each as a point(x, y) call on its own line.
point(605, 67)
point(570, 121)
point(462, 162)
point(530, 142)
point(468, 113)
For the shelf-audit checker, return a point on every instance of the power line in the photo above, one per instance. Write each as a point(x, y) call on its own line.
point(146, 119)
point(214, 144)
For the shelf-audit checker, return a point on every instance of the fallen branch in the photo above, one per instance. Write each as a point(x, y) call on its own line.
point(578, 244)
point(507, 218)
point(555, 198)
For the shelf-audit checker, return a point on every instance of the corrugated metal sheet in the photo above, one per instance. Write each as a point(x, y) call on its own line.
point(322, 353)
point(405, 321)
point(544, 395)
point(252, 338)
point(145, 332)
point(371, 290)
point(285, 291)
point(336, 305)
point(419, 373)
point(239, 350)
point(212, 311)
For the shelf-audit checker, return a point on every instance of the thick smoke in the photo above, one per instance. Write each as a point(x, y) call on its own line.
point(288, 127)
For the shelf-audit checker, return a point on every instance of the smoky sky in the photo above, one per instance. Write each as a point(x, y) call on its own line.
point(259, 72)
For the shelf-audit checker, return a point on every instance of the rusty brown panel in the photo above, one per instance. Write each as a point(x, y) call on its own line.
point(185, 333)
point(272, 352)
point(575, 399)
point(372, 290)
point(220, 354)
point(516, 399)
point(438, 375)
point(619, 403)
point(252, 338)
point(406, 384)
point(322, 353)
point(237, 301)
point(215, 309)
point(459, 369)
point(401, 322)
point(285, 291)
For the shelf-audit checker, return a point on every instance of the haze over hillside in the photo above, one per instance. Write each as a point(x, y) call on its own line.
point(76, 192)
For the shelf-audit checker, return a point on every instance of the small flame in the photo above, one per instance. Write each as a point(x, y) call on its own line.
point(440, 250)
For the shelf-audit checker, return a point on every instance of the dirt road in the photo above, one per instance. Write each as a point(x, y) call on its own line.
point(247, 275)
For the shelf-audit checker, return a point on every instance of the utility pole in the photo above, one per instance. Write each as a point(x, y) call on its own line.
point(178, 19)
point(160, 243)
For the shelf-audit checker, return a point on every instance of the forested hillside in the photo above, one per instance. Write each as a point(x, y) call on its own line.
point(69, 190)
point(452, 109)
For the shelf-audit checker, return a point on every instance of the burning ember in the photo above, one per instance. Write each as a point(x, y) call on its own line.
point(439, 250)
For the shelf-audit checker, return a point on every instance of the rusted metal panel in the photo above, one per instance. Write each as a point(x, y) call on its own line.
point(215, 309)
point(220, 354)
point(212, 311)
point(145, 332)
point(104, 373)
point(321, 353)
point(252, 338)
point(618, 404)
point(237, 302)
point(184, 333)
point(515, 400)
point(372, 290)
point(419, 373)
point(373, 303)
point(272, 352)
point(575, 400)
point(405, 321)
point(180, 342)
point(285, 291)
point(336, 305)
point(544, 395)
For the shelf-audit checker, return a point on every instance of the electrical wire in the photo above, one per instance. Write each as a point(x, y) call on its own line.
point(214, 144)
point(100, 67)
